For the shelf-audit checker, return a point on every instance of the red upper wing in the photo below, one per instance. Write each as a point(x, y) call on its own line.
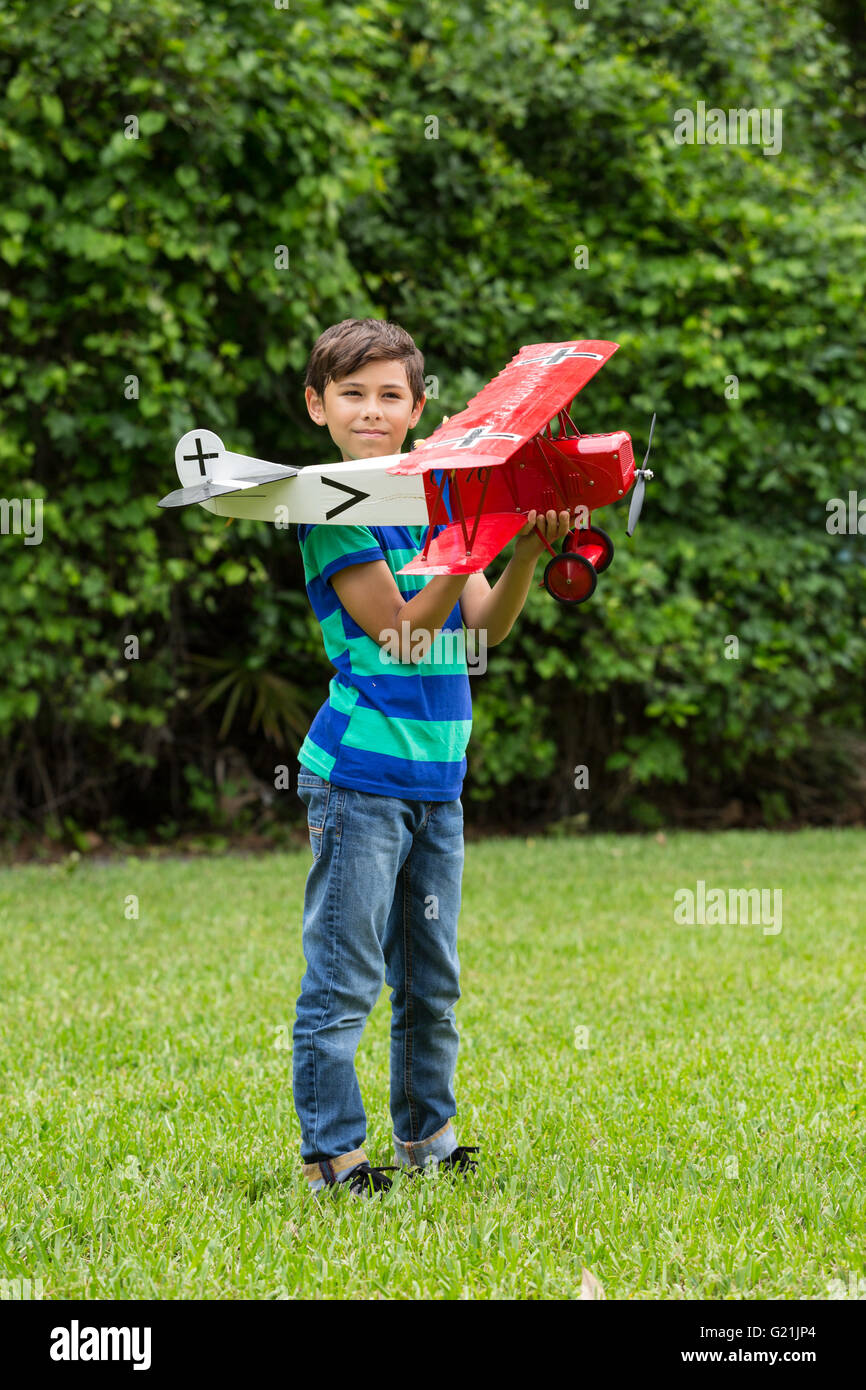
point(520, 401)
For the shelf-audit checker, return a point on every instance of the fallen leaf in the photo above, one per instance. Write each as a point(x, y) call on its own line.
point(589, 1286)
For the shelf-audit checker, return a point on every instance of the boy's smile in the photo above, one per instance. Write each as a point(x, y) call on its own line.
point(369, 412)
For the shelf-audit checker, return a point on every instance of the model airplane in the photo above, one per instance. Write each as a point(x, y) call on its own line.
point(477, 476)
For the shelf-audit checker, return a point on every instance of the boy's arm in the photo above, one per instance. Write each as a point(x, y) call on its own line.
point(495, 610)
point(370, 595)
point(350, 559)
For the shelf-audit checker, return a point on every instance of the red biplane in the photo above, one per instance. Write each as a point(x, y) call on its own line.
point(500, 458)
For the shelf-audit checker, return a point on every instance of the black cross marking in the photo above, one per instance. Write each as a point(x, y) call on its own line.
point(357, 496)
point(467, 440)
point(560, 355)
point(199, 457)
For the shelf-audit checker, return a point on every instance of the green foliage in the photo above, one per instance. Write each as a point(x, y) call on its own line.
point(140, 297)
point(275, 708)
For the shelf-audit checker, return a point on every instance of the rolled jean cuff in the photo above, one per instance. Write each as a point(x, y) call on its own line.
point(418, 1154)
point(333, 1169)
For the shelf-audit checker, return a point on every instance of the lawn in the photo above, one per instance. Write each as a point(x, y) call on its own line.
point(676, 1108)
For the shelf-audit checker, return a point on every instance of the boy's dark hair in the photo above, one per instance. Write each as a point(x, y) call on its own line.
point(346, 346)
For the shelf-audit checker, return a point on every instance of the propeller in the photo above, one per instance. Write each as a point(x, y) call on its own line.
point(641, 476)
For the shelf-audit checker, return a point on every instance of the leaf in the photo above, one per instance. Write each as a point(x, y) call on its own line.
point(232, 572)
point(590, 1288)
point(52, 108)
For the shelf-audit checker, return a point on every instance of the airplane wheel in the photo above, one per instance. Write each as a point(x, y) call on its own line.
point(591, 535)
point(570, 578)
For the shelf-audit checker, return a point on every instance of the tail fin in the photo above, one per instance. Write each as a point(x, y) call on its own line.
point(207, 470)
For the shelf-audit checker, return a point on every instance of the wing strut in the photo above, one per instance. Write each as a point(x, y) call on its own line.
point(459, 501)
point(434, 514)
point(469, 541)
point(539, 439)
point(480, 508)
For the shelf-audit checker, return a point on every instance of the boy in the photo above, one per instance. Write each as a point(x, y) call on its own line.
point(381, 774)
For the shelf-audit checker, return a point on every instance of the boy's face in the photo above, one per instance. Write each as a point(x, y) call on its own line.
point(369, 412)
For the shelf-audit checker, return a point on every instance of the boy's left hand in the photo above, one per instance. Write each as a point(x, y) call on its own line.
point(528, 545)
point(444, 421)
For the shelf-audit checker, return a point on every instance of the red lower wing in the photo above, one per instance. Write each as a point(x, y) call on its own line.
point(447, 553)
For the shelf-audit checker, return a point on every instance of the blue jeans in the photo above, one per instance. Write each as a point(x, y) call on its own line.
point(383, 893)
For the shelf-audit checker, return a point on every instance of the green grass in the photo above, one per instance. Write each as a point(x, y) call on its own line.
point(706, 1143)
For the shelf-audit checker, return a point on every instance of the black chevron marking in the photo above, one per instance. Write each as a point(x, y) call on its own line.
point(357, 496)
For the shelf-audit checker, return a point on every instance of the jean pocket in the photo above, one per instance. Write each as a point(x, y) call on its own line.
point(316, 799)
point(306, 778)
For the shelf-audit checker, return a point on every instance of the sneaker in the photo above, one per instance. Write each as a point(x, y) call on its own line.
point(366, 1180)
point(459, 1158)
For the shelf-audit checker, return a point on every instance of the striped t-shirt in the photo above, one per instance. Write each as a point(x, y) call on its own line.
point(390, 727)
